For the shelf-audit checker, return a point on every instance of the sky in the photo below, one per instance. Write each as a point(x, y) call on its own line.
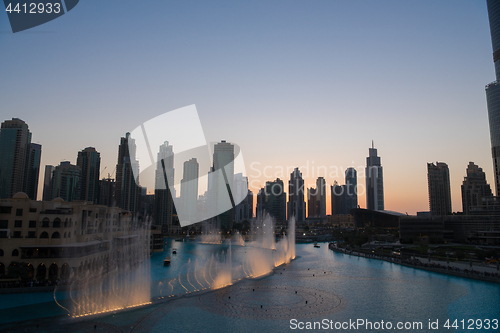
point(292, 83)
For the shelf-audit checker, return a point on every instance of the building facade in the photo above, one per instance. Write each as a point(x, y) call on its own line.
point(296, 202)
point(20, 160)
point(127, 190)
point(374, 181)
point(66, 182)
point(89, 161)
point(474, 188)
point(55, 239)
point(438, 178)
point(493, 91)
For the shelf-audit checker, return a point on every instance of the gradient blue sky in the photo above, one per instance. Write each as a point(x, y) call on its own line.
point(291, 82)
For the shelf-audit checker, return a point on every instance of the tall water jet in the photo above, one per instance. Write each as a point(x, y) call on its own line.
point(237, 239)
point(224, 275)
point(210, 233)
point(121, 280)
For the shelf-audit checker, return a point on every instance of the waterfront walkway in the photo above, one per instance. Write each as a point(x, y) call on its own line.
point(477, 271)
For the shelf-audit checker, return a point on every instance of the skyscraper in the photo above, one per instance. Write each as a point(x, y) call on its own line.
point(276, 200)
point(493, 90)
point(89, 160)
point(336, 193)
point(438, 178)
point(243, 210)
point(163, 204)
point(127, 192)
point(351, 189)
point(374, 181)
point(296, 203)
point(20, 160)
point(33, 170)
point(474, 188)
point(66, 182)
point(316, 199)
point(47, 180)
point(189, 190)
point(223, 160)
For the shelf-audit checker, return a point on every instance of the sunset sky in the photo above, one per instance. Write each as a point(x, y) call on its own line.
point(293, 83)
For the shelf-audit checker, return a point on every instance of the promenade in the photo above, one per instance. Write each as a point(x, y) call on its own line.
point(477, 271)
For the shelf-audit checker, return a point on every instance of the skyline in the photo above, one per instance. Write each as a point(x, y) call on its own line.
point(405, 81)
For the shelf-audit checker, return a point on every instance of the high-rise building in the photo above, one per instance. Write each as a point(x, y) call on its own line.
point(296, 203)
point(189, 191)
point(275, 204)
point(89, 160)
point(107, 192)
point(316, 199)
point(127, 191)
point(243, 210)
point(66, 182)
point(223, 160)
point(163, 204)
point(47, 180)
point(474, 188)
point(374, 181)
point(33, 170)
point(351, 189)
point(260, 208)
point(20, 160)
point(336, 193)
point(438, 178)
point(493, 90)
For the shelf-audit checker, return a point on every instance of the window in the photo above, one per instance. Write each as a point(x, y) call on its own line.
point(45, 223)
point(57, 223)
point(56, 235)
point(5, 210)
point(32, 210)
point(31, 234)
point(3, 234)
point(18, 224)
point(17, 234)
point(15, 252)
point(44, 235)
point(4, 224)
point(19, 212)
point(32, 224)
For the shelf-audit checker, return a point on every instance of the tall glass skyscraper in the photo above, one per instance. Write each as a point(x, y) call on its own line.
point(89, 160)
point(374, 181)
point(20, 160)
point(493, 90)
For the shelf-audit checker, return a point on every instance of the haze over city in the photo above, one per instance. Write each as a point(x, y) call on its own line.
point(292, 84)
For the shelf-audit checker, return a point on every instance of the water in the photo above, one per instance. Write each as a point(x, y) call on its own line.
point(337, 287)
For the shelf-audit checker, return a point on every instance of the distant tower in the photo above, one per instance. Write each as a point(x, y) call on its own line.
point(296, 203)
point(276, 200)
point(89, 160)
point(47, 179)
point(474, 188)
point(163, 205)
point(66, 182)
point(438, 178)
point(493, 90)
point(243, 210)
point(33, 170)
point(336, 193)
point(374, 181)
point(127, 192)
point(316, 199)
point(20, 160)
point(351, 190)
point(223, 160)
point(189, 190)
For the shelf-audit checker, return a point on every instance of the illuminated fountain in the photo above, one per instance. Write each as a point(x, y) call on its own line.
point(210, 233)
point(122, 280)
point(237, 239)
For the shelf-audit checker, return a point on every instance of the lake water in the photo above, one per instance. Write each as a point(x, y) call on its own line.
point(339, 289)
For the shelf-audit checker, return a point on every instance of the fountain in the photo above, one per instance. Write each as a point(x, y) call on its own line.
point(122, 281)
point(210, 233)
